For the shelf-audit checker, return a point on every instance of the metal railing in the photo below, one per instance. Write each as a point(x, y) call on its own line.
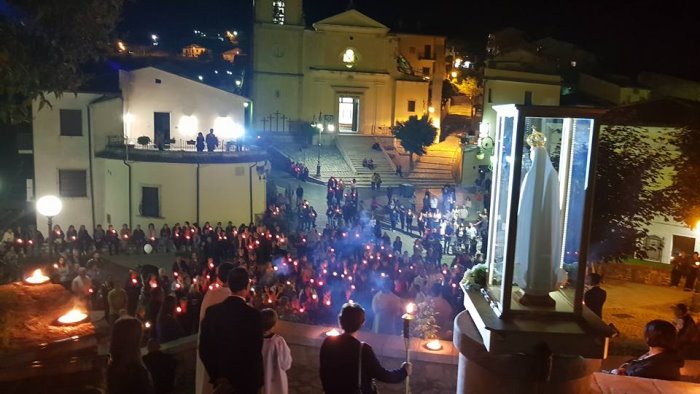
point(179, 145)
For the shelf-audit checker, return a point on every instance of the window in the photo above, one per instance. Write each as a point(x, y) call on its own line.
point(411, 105)
point(426, 71)
point(158, 81)
point(528, 98)
point(71, 122)
point(72, 183)
point(427, 52)
point(278, 12)
point(490, 98)
point(150, 204)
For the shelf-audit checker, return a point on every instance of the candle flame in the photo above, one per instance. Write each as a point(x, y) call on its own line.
point(434, 345)
point(332, 332)
point(73, 316)
point(410, 308)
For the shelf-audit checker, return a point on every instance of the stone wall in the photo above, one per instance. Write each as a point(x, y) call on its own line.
point(433, 371)
point(638, 274)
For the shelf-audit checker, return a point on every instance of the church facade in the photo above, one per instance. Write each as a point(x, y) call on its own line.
point(348, 71)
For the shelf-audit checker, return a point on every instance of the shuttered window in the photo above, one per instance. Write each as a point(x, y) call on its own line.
point(72, 183)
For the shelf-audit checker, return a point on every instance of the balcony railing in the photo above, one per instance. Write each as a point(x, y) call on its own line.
point(179, 145)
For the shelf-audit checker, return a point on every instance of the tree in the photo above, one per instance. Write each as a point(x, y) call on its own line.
point(469, 86)
point(415, 135)
point(43, 46)
point(631, 189)
point(687, 176)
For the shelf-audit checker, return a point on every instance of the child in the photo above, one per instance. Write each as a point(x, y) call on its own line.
point(277, 358)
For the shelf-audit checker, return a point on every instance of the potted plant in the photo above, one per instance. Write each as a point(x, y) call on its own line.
point(144, 140)
point(475, 277)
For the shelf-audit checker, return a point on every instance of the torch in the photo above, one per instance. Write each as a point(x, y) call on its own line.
point(407, 317)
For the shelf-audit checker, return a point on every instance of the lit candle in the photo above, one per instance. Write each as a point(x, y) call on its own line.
point(433, 345)
point(332, 332)
point(407, 317)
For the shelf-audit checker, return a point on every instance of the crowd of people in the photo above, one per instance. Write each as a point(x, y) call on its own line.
point(293, 271)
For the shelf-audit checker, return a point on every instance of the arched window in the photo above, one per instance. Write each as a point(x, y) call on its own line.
point(349, 57)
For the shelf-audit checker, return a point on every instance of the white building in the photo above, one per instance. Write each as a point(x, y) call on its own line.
point(85, 152)
point(349, 68)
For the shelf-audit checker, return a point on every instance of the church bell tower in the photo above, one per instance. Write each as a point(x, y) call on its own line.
point(280, 12)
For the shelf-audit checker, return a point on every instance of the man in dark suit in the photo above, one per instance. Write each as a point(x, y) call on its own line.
point(595, 297)
point(231, 341)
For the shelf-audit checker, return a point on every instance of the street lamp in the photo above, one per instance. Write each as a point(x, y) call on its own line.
point(319, 126)
point(49, 206)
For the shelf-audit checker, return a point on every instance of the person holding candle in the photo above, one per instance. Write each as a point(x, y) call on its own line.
point(345, 361)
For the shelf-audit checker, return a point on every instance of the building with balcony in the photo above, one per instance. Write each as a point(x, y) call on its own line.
point(348, 68)
point(86, 152)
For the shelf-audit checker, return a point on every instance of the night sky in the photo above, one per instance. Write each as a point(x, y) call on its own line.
point(628, 35)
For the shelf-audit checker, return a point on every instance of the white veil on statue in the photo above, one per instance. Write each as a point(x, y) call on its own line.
point(538, 241)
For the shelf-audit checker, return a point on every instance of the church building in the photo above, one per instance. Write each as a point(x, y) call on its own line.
point(348, 71)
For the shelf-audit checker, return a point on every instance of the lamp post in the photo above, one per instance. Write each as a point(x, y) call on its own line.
point(407, 317)
point(49, 206)
point(318, 160)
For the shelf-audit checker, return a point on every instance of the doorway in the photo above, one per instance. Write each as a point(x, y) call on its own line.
point(161, 128)
point(348, 114)
point(683, 244)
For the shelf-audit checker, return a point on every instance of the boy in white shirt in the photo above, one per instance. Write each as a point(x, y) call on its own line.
point(277, 358)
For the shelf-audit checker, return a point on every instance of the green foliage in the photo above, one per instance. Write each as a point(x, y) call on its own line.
point(44, 44)
point(629, 189)
point(687, 177)
point(425, 324)
point(468, 86)
point(415, 134)
point(144, 140)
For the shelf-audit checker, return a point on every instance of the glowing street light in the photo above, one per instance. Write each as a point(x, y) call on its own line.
point(49, 206)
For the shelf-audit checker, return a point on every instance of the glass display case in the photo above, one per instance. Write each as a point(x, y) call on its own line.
point(540, 209)
point(538, 230)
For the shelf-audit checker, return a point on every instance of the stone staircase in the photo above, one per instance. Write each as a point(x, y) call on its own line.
point(356, 148)
point(435, 167)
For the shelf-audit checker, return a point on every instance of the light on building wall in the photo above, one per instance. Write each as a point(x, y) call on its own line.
point(454, 74)
point(431, 109)
point(188, 125)
point(331, 127)
point(458, 61)
point(227, 128)
point(238, 82)
point(246, 104)
point(484, 129)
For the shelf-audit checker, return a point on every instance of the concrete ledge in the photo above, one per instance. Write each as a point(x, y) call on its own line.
point(391, 346)
point(602, 383)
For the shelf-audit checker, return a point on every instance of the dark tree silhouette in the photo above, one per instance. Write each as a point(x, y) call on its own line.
point(44, 43)
point(415, 135)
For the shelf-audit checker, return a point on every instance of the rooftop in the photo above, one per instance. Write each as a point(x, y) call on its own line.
point(176, 155)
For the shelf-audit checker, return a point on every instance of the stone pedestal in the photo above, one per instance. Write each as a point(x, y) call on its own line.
point(483, 372)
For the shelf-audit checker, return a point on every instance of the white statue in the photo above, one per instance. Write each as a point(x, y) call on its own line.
point(538, 241)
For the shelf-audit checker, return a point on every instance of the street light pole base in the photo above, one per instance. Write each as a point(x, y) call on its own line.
point(318, 170)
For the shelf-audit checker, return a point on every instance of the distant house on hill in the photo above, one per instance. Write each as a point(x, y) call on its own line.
point(194, 50)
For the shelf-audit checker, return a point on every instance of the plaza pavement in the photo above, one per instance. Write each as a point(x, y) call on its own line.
point(630, 306)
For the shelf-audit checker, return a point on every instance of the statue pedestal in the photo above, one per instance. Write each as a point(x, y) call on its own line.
point(483, 372)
